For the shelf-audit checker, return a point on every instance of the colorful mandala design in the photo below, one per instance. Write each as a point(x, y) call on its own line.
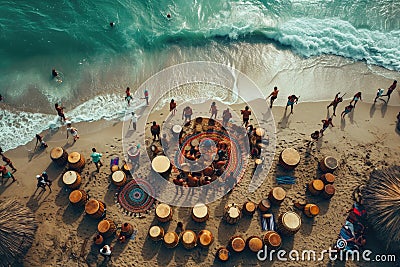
point(134, 199)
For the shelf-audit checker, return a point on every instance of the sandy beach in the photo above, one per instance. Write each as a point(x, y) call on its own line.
point(365, 140)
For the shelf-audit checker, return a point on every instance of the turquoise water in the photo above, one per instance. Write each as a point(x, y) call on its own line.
point(95, 59)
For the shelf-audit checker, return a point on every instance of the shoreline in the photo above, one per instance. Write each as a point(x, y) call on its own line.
point(366, 132)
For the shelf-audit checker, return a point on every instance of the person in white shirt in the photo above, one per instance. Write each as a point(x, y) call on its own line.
point(106, 251)
point(134, 120)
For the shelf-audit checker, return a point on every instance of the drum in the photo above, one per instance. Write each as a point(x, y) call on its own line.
point(95, 208)
point(114, 168)
point(277, 195)
point(249, 208)
point(311, 210)
point(106, 227)
point(328, 178)
point(289, 223)
point(200, 213)
point(176, 130)
point(127, 229)
point(272, 240)
point(205, 238)
point(126, 168)
point(156, 233)
point(329, 191)
point(118, 178)
point(98, 240)
point(195, 142)
point(289, 158)
point(328, 164)
point(163, 212)
point(254, 243)
point(76, 161)
point(59, 156)
point(171, 239)
point(161, 164)
point(237, 243)
point(72, 179)
point(78, 198)
point(223, 254)
point(264, 205)
point(188, 239)
point(316, 187)
point(232, 213)
point(133, 153)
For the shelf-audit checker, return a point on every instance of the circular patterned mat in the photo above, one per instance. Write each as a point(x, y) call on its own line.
point(134, 199)
point(237, 154)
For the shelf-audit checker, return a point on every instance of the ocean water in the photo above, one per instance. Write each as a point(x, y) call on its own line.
point(296, 44)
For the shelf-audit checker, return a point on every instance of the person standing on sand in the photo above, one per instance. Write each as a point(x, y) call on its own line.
point(292, 99)
point(390, 90)
point(187, 114)
point(325, 125)
point(73, 131)
point(172, 107)
point(155, 131)
point(379, 93)
point(146, 96)
point(273, 95)
point(335, 102)
point(96, 159)
point(9, 163)
point(43, 181)
point(356, 97)
point(226, 116)
point(6, 174)
point(60, 111)
point(347, 110)
point(246, 115)
point(128, 96)
point(213, 110)
point(134, 120)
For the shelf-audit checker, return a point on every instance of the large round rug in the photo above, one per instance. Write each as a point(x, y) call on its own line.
point(133, 199)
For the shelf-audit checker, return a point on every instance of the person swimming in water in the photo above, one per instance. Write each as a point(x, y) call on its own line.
point(54, 73)
point(112, 24)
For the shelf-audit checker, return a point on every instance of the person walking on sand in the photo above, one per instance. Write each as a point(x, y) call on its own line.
point(73, 131)
point(146, 96)
point(347, 110)
point(128, 96)
point(105, 251)
point(187, 114)
point(96, 159)
point(60, 111)
point(6, 174)
point(273, 96)
point(325, 125)
point(155, 131)
point(43, 181)
point(379, 93)
point(356, 97)
point(39, 139)
point(335, 102)
point(172, 107)
point(8, 163)
point(213, 110)
point(226, 116)
point(134, 120)
point(292, 99)
point(246, 115)
point(390, 90)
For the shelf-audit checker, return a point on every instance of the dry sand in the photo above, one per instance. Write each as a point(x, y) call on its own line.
point(365, 140)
